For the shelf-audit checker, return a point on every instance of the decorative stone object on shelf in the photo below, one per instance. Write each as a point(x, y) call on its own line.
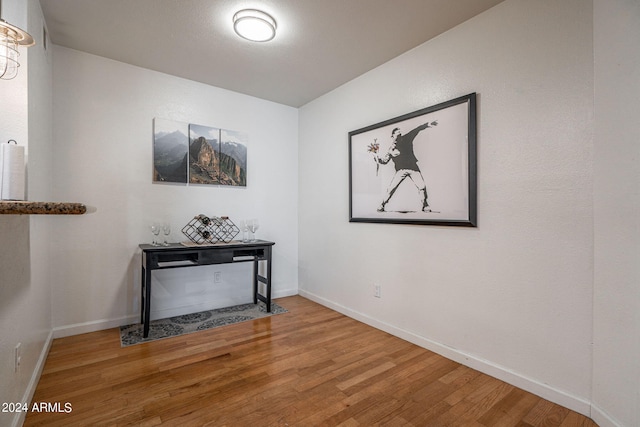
point(207, 230)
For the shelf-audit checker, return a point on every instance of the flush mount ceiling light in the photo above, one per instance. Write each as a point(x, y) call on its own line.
point(10, 38)
point(254, 25)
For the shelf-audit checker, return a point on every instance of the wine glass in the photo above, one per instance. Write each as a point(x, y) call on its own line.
point(166, 230)
point(244, 226)
point(155, 229)
point(254, 224)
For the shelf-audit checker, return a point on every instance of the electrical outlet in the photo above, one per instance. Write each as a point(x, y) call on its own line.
point(217, 277)
point(377, 291)
point(17, 357)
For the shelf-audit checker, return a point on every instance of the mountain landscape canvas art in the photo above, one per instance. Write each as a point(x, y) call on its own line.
point(233, 158)
point(189, 153)
point(170, 150)
point(204, 154)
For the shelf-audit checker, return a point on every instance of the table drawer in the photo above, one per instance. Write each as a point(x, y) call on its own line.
point(215, 257)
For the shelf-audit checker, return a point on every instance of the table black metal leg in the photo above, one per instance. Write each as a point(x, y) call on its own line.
point(255, 281)
point(142, 300)
point(147, 305)
point(268, 281)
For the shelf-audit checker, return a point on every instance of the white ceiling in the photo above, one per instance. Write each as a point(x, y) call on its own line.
point(320, 44)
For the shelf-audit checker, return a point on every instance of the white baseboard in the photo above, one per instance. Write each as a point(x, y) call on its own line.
point(284, 293)
point(19, 418)
point(602, 418)
point(560, 397)
point(210, 305)
point(99, 325)
point(93, 326)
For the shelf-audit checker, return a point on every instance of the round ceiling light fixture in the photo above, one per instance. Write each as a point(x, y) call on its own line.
point(254, 25)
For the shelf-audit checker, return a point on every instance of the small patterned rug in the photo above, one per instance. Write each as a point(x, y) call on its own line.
point(194, 322)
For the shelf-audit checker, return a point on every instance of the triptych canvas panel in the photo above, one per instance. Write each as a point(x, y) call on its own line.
point(195, 154)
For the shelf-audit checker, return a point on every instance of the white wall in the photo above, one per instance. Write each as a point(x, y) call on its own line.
point(558, 207)
point(512, 297)
point(616, 365)
point(25, 293)
point(103, 115)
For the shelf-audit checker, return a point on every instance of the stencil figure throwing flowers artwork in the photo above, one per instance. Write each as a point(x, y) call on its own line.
point(418, 168)
point(405, 162)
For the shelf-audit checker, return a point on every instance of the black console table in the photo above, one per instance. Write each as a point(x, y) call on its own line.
point(177, 255)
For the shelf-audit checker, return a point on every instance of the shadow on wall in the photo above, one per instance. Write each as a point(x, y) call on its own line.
point(15, 259)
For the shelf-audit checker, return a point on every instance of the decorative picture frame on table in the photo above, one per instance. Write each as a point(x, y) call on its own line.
point(418, 168)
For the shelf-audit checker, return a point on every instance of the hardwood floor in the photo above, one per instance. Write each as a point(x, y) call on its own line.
point(309, 367)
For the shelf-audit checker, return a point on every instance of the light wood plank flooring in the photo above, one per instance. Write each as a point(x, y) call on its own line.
point(309, 367)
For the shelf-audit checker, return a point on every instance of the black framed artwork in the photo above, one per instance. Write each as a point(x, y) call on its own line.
point(419, 168)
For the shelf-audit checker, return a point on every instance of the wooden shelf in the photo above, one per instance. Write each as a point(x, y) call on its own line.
point(10, 207)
